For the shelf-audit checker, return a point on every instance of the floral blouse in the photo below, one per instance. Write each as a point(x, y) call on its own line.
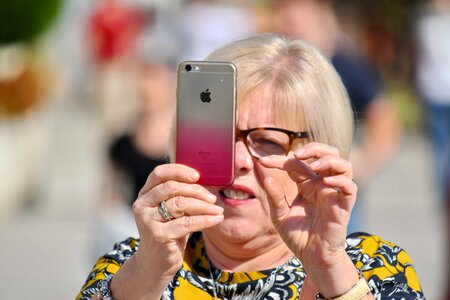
point(386, 267)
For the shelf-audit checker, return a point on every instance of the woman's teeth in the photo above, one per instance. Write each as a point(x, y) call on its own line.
point(239, 195)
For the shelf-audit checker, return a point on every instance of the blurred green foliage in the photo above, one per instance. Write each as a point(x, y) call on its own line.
point(25, 20)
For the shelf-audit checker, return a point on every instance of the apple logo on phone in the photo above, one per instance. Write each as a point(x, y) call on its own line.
point(205, 96)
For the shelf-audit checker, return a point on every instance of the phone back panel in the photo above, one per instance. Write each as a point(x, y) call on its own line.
point(206, 105)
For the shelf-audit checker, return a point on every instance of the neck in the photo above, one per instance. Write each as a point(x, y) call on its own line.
point(254, 255)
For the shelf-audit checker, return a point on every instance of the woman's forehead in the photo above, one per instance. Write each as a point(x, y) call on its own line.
point(261, 107)
point(257, 104)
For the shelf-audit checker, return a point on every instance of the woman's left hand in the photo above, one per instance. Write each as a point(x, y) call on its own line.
point(314, 224)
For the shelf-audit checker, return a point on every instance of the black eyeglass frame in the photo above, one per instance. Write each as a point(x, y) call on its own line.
point(292, 136)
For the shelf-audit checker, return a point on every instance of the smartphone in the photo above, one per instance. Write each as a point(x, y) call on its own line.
point(206, 120)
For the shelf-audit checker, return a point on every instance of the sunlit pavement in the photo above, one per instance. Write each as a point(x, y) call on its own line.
point(47, 249)
point(402, 206)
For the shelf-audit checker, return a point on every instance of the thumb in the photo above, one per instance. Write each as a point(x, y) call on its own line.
point(278, 204)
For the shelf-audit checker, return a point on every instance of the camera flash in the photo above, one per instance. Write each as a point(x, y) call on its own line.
point(196, 68)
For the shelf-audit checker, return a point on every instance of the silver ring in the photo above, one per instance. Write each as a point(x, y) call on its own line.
point(164, 212)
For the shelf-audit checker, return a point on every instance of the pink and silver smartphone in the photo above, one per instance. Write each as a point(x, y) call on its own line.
point(206, 120)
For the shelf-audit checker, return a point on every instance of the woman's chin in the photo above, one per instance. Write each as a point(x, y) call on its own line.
point(238, 229)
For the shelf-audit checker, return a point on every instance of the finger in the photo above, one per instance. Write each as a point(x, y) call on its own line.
point(183, 226)
point(297, 169)
point(279, 207)
point(345, 187)
point(342, 183)
point(170, 189)
point(184, 206)
point(332, 165)
point(168, 172)
point(273, 161)
point(315, 150)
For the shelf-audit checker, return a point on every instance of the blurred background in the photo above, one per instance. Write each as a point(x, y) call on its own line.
point(87, 96)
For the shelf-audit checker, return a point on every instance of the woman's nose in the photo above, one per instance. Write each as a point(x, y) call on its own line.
point(243, 159)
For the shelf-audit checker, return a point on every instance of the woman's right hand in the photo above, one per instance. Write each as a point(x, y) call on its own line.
point(192, 206)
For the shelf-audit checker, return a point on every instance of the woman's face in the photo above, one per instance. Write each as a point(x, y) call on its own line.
point(245, 203)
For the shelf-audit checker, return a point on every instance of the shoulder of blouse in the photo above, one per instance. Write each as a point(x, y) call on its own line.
point(106, 266)
point(387, 267)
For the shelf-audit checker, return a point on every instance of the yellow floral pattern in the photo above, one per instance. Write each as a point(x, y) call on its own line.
point(387, 268)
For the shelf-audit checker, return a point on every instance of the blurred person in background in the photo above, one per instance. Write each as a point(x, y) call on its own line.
point(378, 129)
point(208, 24)
point(135, 154)
point(432, 68)
point(113, 30)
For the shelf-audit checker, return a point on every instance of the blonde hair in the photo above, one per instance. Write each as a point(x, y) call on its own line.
point(306, 89)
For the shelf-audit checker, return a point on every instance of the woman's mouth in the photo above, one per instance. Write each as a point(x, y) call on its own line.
point(233, 196)
point(237, 195)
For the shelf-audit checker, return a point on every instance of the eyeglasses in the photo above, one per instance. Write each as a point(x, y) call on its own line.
point(265, 141)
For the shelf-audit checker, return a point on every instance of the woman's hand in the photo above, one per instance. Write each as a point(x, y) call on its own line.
point(314, 224)
point(162, 242)
point(191, 206)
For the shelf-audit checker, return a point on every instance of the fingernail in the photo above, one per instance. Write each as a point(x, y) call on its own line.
point(218, 209)
point(211, 197)
point(217, 218)
point(328, 179)
point(315, 164)
point(295, 174)
point(193, 175)
point(300, 152)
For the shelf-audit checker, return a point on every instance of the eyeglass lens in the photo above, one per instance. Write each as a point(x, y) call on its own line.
point(263, 143)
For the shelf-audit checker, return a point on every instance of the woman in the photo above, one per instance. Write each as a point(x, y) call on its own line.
point(279, 232)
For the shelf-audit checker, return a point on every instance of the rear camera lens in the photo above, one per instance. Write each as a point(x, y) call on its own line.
point(188, 68)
